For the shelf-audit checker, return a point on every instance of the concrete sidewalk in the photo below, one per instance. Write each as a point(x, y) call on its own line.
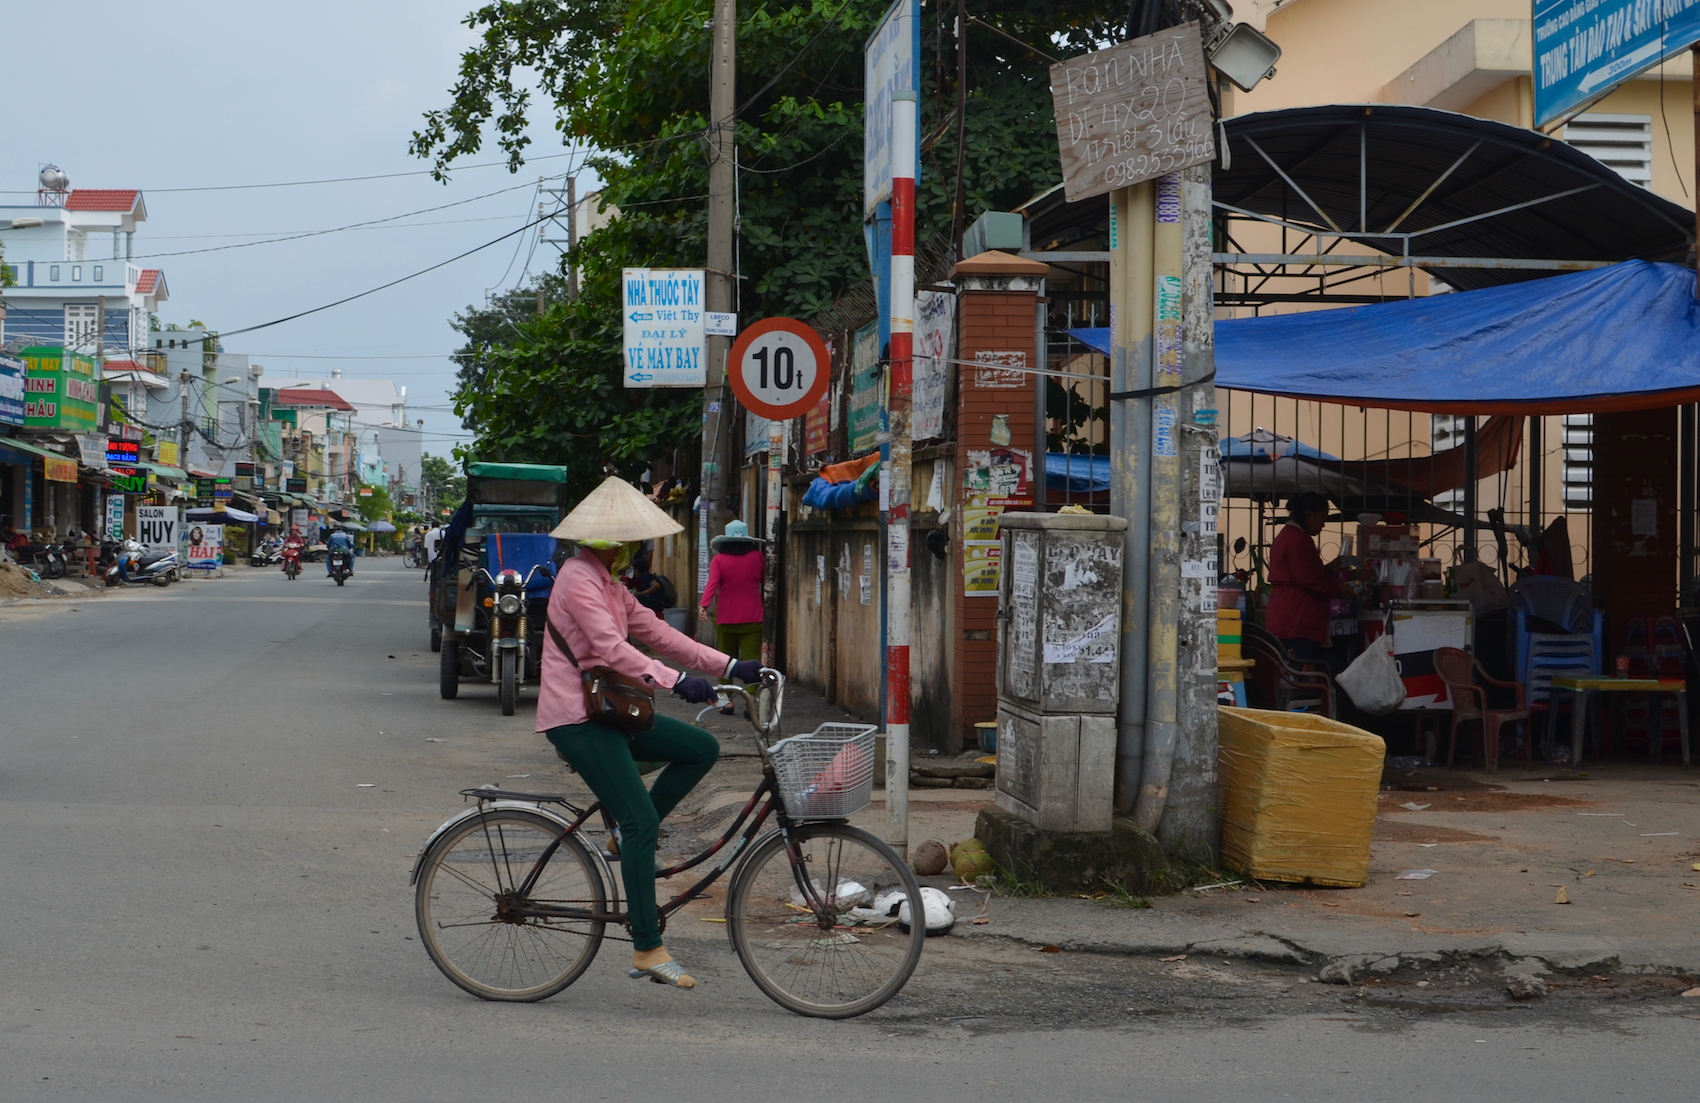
point(1623, 841)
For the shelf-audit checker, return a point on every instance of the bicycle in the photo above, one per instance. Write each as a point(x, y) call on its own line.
point(513, 906)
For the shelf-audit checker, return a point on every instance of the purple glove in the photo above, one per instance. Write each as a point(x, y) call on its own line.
point(698, 691)
point(749, 670)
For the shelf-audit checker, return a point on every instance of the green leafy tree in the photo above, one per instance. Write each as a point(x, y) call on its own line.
point(445, 486)
point(495, 326)
point(378, 506)
point(629, 78)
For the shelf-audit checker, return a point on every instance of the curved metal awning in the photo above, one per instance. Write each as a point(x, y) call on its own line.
point(1423, 183)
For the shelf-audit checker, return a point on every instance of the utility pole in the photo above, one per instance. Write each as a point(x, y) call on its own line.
point(716, 419)
point(572, 239)
point(542, 228)
point(904, 107)
point(958, 215)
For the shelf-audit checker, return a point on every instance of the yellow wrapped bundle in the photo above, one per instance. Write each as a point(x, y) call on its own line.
point(1298, 796)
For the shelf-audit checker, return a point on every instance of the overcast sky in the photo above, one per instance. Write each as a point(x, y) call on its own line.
point(178, 94)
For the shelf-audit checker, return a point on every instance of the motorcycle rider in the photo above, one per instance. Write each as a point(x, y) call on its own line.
point(340, 540)
point(293, 544)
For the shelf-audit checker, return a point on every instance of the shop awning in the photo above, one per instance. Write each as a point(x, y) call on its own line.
point(166, 471)
point(24, 452)
point(1625, 337)
point(227, 516)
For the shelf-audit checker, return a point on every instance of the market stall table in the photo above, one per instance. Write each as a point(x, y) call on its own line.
point(1581, 687)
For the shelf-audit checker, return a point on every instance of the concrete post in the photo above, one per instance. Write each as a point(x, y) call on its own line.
point(712, 511)
point(1191, 822)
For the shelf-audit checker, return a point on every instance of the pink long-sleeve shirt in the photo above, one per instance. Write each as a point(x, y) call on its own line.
point(596, 614)
point(736, 579)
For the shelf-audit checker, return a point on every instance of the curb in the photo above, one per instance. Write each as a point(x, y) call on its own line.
point(1521, 953)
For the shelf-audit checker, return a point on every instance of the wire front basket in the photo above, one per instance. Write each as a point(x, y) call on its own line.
point(827, 774)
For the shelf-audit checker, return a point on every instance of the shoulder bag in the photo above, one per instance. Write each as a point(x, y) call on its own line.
point(612, 699)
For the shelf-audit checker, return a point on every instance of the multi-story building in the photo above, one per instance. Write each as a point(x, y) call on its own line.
point(73, 281)
point(318, 438)
point(388, 448)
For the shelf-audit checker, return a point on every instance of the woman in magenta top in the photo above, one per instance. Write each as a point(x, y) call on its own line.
point(734, 578)
point(1299, 582)
point(594, 614)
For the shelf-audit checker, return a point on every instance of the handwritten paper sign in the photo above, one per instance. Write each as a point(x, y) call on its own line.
point(1133, 112)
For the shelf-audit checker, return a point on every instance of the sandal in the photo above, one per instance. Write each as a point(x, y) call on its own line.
point(668, 972)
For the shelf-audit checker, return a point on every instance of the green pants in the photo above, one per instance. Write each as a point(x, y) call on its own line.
point(607, 761)
point(741, 641)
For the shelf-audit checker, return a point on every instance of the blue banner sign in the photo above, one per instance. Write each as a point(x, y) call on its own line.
point(11, 390)
point(891, 63)
point(1586, 48)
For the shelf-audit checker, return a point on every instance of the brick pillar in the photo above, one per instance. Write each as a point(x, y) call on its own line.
point(997, 296)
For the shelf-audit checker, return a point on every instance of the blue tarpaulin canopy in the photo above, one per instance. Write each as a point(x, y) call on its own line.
point(1625, 337)
point(1077, 474)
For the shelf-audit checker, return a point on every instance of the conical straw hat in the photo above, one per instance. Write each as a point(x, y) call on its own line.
point(616, 510)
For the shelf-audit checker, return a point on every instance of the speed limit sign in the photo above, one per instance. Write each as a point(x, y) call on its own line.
point(779, 368)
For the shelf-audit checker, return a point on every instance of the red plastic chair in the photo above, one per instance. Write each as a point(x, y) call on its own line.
point(1467, 682)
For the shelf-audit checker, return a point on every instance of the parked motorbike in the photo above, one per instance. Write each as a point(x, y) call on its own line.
point(510, 631)
point(136, 565)
point(49, 560)
point(110, 550)
point(267, 553)
point(340, 567)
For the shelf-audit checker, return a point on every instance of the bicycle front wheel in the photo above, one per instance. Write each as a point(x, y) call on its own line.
point(482, 931)
point(834, 952)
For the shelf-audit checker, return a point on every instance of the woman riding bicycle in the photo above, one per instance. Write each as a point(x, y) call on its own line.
point(595, 614)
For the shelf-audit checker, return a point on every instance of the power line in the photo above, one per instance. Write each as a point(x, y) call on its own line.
point(264, 233)
point(333, 229)
point(383, 286)
point(330, 180)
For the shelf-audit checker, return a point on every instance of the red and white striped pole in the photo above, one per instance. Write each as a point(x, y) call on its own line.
point(897, 593)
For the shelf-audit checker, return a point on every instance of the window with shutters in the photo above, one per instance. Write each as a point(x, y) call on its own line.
point(1622, 143)
point(1447, 431)
point(81, 322)
point(1578, 469)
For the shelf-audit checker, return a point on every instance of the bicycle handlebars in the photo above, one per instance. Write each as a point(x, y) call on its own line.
point(772, 686)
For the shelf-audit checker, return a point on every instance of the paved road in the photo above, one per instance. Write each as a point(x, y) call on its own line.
point(201, 902)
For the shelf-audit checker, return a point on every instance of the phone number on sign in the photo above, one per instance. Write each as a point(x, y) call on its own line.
point(1165, 153)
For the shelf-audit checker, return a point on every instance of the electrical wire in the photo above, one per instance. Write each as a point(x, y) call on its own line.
point(331, 180)
point(382, 286)
point(268, 233)
point(333, 229)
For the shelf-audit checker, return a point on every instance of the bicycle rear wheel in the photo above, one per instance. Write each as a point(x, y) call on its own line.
point(846, 961)
point(468, 907)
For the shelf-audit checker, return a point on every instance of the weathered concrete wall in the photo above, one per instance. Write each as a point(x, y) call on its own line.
point(675, 556)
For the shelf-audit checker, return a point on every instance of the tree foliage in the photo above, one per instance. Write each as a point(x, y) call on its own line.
point(629, 79)
point(376, 506)
point(444, 485)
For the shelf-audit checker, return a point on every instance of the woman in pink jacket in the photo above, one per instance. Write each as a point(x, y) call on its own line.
point(734, 578)
point(594, 614)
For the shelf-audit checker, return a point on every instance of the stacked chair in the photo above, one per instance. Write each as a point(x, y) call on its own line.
point(1555, 630)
